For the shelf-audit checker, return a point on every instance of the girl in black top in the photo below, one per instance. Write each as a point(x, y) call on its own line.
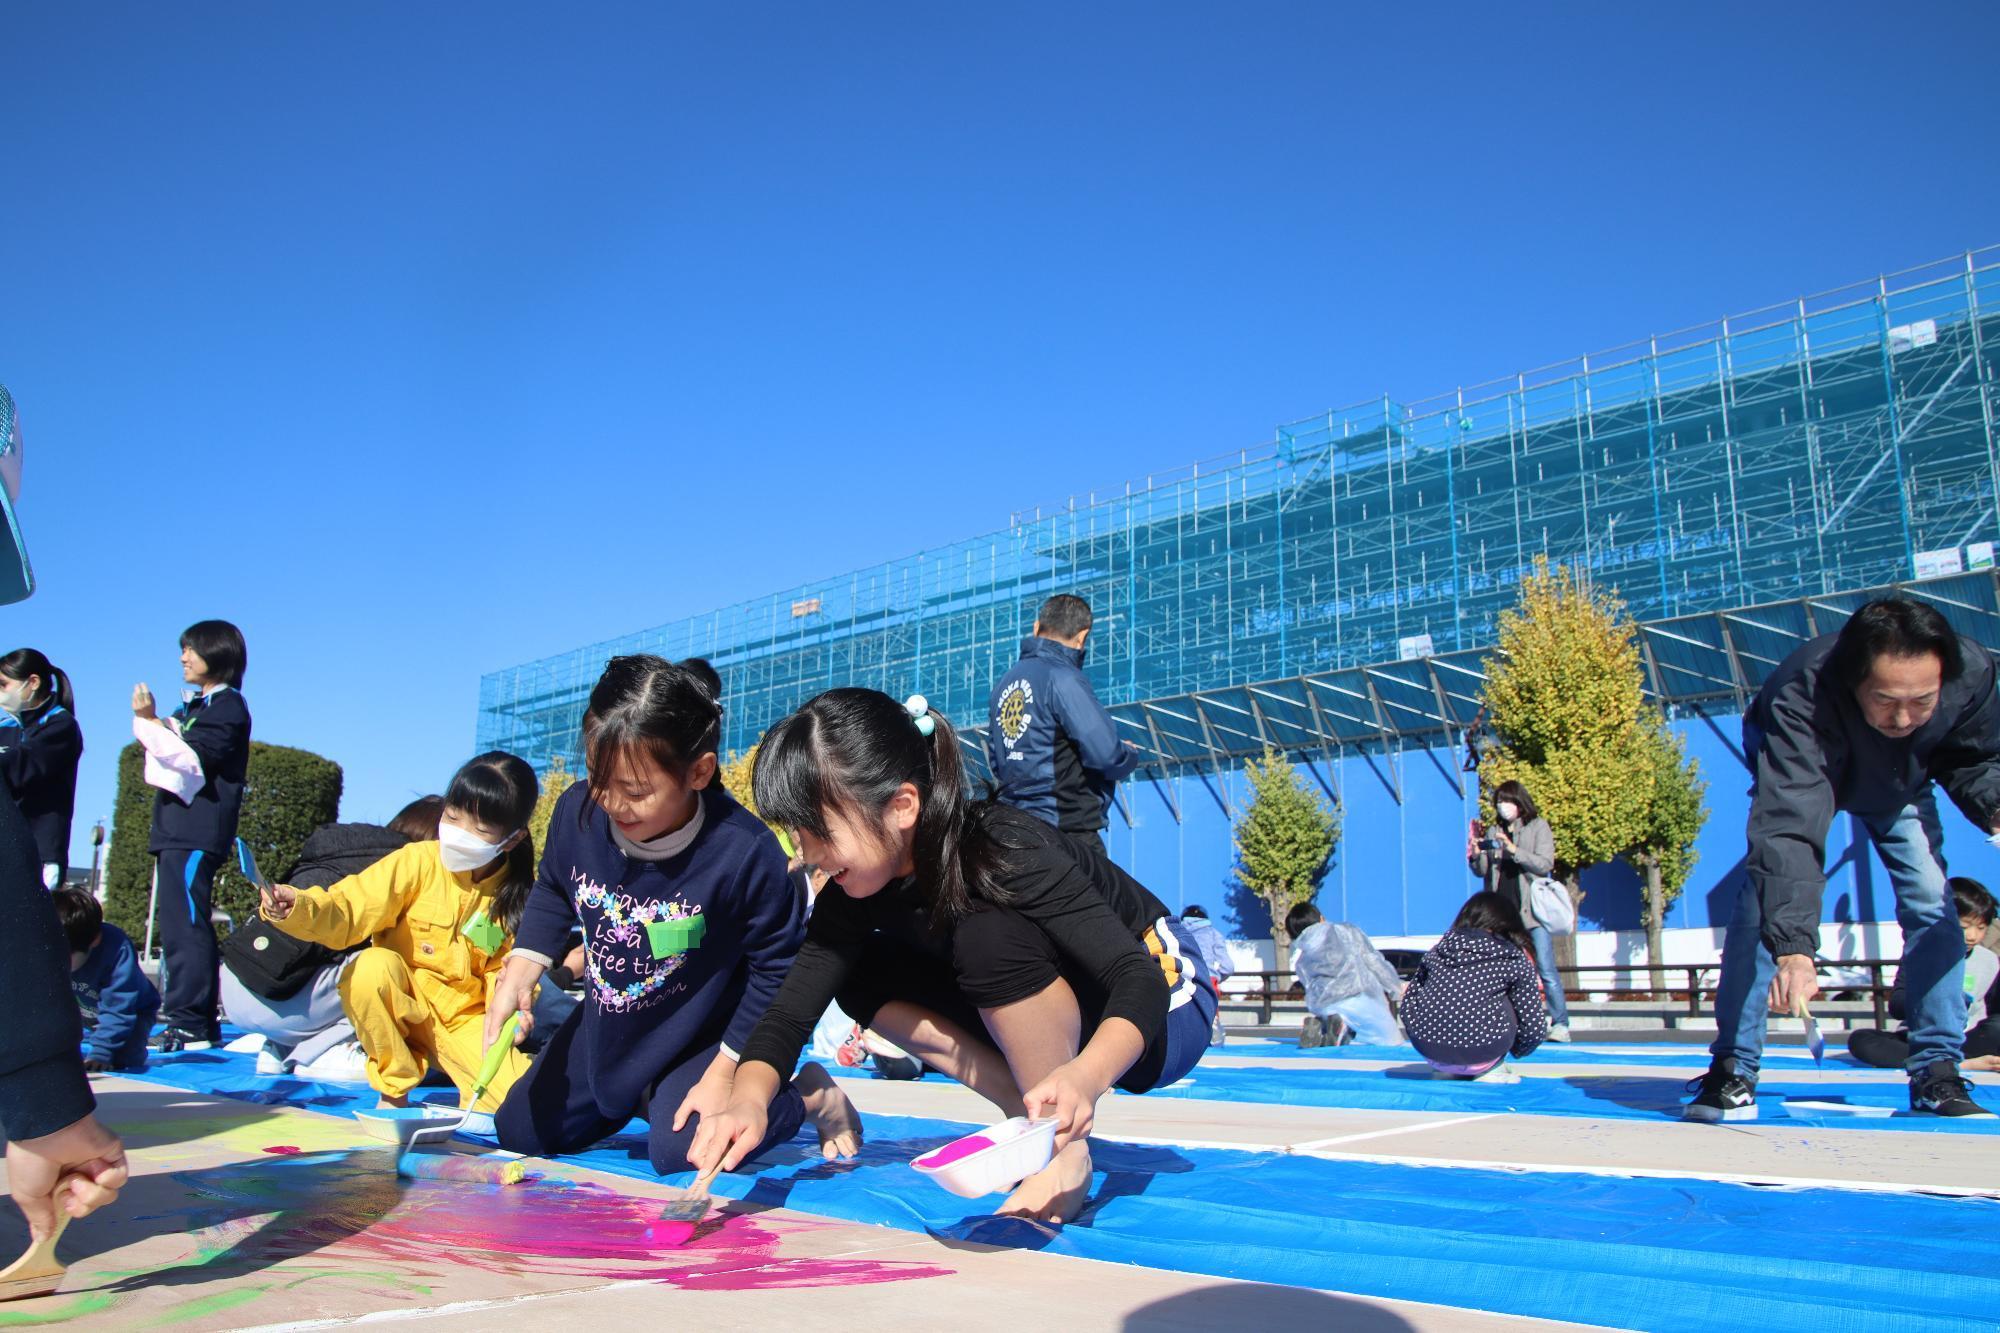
point(974, 936)
point(191, 838)
point(39, 760)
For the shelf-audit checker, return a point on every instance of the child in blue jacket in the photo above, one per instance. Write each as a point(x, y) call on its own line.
point(104, 973)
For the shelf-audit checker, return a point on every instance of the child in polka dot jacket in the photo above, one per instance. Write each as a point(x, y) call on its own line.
point(1476, 998)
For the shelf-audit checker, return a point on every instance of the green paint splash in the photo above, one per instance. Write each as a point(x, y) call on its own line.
point(95, 1302)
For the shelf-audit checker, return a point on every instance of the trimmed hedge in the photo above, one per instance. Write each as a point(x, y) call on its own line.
point(288, 794)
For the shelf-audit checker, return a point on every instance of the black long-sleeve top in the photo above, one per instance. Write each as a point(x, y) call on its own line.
point(42, 1085)
point(1094, 913)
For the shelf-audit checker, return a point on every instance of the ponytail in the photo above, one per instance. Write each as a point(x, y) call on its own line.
point(851, 750)
point(25, 662)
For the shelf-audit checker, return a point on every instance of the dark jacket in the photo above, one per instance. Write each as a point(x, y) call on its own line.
point(1814, 753)
point(1475, 997)
point(39, 762)
point(275, 965)
point(42, 1084)
point(112, 984)
point(1053, 749)
point(218, 729)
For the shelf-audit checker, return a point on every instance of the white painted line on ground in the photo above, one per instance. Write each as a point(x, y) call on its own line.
point(1664, 1173)
point(1395, 1129)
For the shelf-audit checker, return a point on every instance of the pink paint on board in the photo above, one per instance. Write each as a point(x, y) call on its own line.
point(284, 1150)
point(361, 1213)
point(956, 1151)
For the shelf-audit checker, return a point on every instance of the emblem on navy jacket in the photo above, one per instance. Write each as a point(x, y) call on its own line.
point(1013, 713)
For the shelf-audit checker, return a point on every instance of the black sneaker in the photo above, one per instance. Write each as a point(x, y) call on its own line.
point(1721, 1094)
point(180, 1039)
point(1941, 1090)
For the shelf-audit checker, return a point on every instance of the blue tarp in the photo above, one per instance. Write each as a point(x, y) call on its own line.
point(1635, 1253)
point(1550, 1053)
point(1412, 1087)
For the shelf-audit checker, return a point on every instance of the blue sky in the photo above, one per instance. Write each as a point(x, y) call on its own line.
point(424, 340)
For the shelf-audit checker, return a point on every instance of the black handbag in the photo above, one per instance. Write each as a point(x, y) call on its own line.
point(271, 964)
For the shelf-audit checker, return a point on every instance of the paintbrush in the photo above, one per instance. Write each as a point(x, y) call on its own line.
point(38, 1272)
point(1815, 1043)
point(692, 1206)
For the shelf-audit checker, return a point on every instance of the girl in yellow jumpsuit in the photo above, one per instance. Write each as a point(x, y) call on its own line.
point(440, 917)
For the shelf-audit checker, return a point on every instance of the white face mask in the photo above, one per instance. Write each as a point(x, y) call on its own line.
point(463, 851)
point(1510, 812)
point(14, 700)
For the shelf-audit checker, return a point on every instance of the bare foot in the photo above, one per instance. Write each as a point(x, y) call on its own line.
point(1982, 1062)
point(389, 1103)
point(1057, 1191)
point(838, 1123)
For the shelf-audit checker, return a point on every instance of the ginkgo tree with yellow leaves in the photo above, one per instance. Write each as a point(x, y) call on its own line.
point(1565, 696)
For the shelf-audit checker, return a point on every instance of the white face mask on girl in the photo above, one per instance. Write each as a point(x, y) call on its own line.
point(462, 851)
point(15, 699)
point(1509, 812)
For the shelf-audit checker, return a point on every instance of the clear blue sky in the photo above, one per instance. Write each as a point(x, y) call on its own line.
point(423, 340)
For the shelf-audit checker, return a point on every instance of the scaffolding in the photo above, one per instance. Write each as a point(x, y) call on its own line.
point(1837, 442)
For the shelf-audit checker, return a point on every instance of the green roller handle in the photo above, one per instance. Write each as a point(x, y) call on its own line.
point(495, 1054)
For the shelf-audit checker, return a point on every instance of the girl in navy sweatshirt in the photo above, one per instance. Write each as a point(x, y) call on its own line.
point(689, 923)
point(975, 936)
point(39, 759)
point(191, 838)
point(1477, 997)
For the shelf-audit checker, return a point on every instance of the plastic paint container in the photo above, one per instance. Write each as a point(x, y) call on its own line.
point(993, 1160)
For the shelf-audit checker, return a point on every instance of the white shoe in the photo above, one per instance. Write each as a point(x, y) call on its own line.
point(1558, 1032)
point(1500, 1073)
point(269, 1063)
point(248, 1042)
point(345, 1063)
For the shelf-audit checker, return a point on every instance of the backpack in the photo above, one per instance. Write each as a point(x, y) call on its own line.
point(1550, 903)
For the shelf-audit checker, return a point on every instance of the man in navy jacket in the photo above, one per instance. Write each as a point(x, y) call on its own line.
point(1053, 749)
point(1862, 721)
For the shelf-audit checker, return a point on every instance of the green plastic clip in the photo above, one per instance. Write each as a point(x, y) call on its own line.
point(671, 937)
point(485, 936)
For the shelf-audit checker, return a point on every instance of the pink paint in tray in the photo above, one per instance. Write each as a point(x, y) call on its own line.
point(956, 1151)
point(991, 1160)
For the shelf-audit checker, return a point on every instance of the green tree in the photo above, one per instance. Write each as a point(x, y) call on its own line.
point(1675, 814)
point(287, 793)
point(554, 783)
point(1564, 694)
point(735, 774)
point(1284, 841)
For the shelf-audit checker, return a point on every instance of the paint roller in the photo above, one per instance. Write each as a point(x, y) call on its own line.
point(415, 1165)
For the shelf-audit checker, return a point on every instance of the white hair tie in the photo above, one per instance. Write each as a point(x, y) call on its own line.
point(919, 709)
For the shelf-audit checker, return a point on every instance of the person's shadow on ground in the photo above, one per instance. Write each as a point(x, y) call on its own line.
point(1260, 1305)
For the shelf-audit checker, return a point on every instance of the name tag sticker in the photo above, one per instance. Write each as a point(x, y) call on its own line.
point(668, 938)
point(484, 934)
